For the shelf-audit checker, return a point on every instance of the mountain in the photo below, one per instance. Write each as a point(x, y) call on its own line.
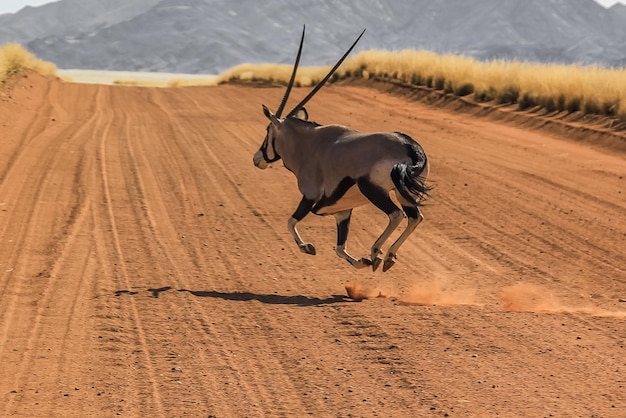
point(209, 36)
point(67, 17)
point(619, 8)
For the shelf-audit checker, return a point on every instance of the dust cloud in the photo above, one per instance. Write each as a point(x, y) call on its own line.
point(525, 297)
point(429, 293)
point(357, 290)
point(521, 297)
point(435, 293)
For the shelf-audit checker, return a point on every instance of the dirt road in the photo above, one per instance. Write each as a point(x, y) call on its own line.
point(146, 268)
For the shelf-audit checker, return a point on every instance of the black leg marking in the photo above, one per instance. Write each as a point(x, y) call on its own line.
point(343, 228)
point(303, 209)
point(343, 186)
point(377, 195)
point(411, 211)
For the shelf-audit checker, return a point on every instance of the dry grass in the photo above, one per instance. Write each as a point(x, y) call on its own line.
point(184, 82)
point(139, 83)
point(556, 88)
point(137, 79)
point(272, 73)
point(173, 82)
point(14, 57)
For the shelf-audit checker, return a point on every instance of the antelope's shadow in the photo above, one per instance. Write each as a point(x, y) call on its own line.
point(299, 300)
point(274, 299)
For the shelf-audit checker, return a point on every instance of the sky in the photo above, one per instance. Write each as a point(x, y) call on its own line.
point(12, 6)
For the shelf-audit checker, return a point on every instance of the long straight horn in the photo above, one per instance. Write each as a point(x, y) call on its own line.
point(325, 79)
point(293, 76)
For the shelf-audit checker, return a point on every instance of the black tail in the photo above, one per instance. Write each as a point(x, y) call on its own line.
point(409, 183)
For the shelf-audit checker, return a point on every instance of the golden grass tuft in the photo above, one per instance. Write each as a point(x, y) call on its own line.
point(138, 83)
point(14, 58)
point(168, 82)
point(552, 87)
point(272, 73)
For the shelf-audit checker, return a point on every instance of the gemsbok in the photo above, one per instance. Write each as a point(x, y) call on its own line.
point(339, 168)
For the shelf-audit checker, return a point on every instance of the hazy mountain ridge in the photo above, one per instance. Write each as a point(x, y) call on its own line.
point(208, 36)
point(619, 10)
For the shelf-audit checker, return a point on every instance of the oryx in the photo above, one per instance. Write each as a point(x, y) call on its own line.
point(339, 168)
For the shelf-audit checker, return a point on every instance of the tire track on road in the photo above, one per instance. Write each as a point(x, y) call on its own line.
point(106, 220)
point(184, 147)
point(35, 192)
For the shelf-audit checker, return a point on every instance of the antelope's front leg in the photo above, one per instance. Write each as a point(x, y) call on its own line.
point(343, 227)
point(303, 209)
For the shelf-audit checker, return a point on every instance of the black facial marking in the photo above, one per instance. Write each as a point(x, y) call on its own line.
point(265, 146)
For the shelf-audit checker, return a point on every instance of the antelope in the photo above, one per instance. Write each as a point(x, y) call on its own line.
point(339, 168)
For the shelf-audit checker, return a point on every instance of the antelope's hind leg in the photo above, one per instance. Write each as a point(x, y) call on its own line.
point(303, 209)
point(380, 198)
point(414, 218)
point(343, 228)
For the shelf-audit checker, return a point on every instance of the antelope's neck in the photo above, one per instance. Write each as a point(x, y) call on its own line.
point(296, 147)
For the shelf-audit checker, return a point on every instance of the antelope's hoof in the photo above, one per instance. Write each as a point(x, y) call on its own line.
point(388, 264)
point(376, 262)
point(307, 249)
point(362, 263)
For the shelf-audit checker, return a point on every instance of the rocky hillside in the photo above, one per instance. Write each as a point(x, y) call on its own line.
point(208, 36)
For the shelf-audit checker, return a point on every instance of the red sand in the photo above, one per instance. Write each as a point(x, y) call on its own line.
point(146, 268)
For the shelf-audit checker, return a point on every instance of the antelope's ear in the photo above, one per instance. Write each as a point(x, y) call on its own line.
point(270, 116)
point(302, 114)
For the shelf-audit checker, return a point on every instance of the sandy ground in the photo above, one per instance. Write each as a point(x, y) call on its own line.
point(146, 268)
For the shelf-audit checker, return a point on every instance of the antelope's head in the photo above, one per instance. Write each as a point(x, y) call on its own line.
point(268, 154)
point(275, 131)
